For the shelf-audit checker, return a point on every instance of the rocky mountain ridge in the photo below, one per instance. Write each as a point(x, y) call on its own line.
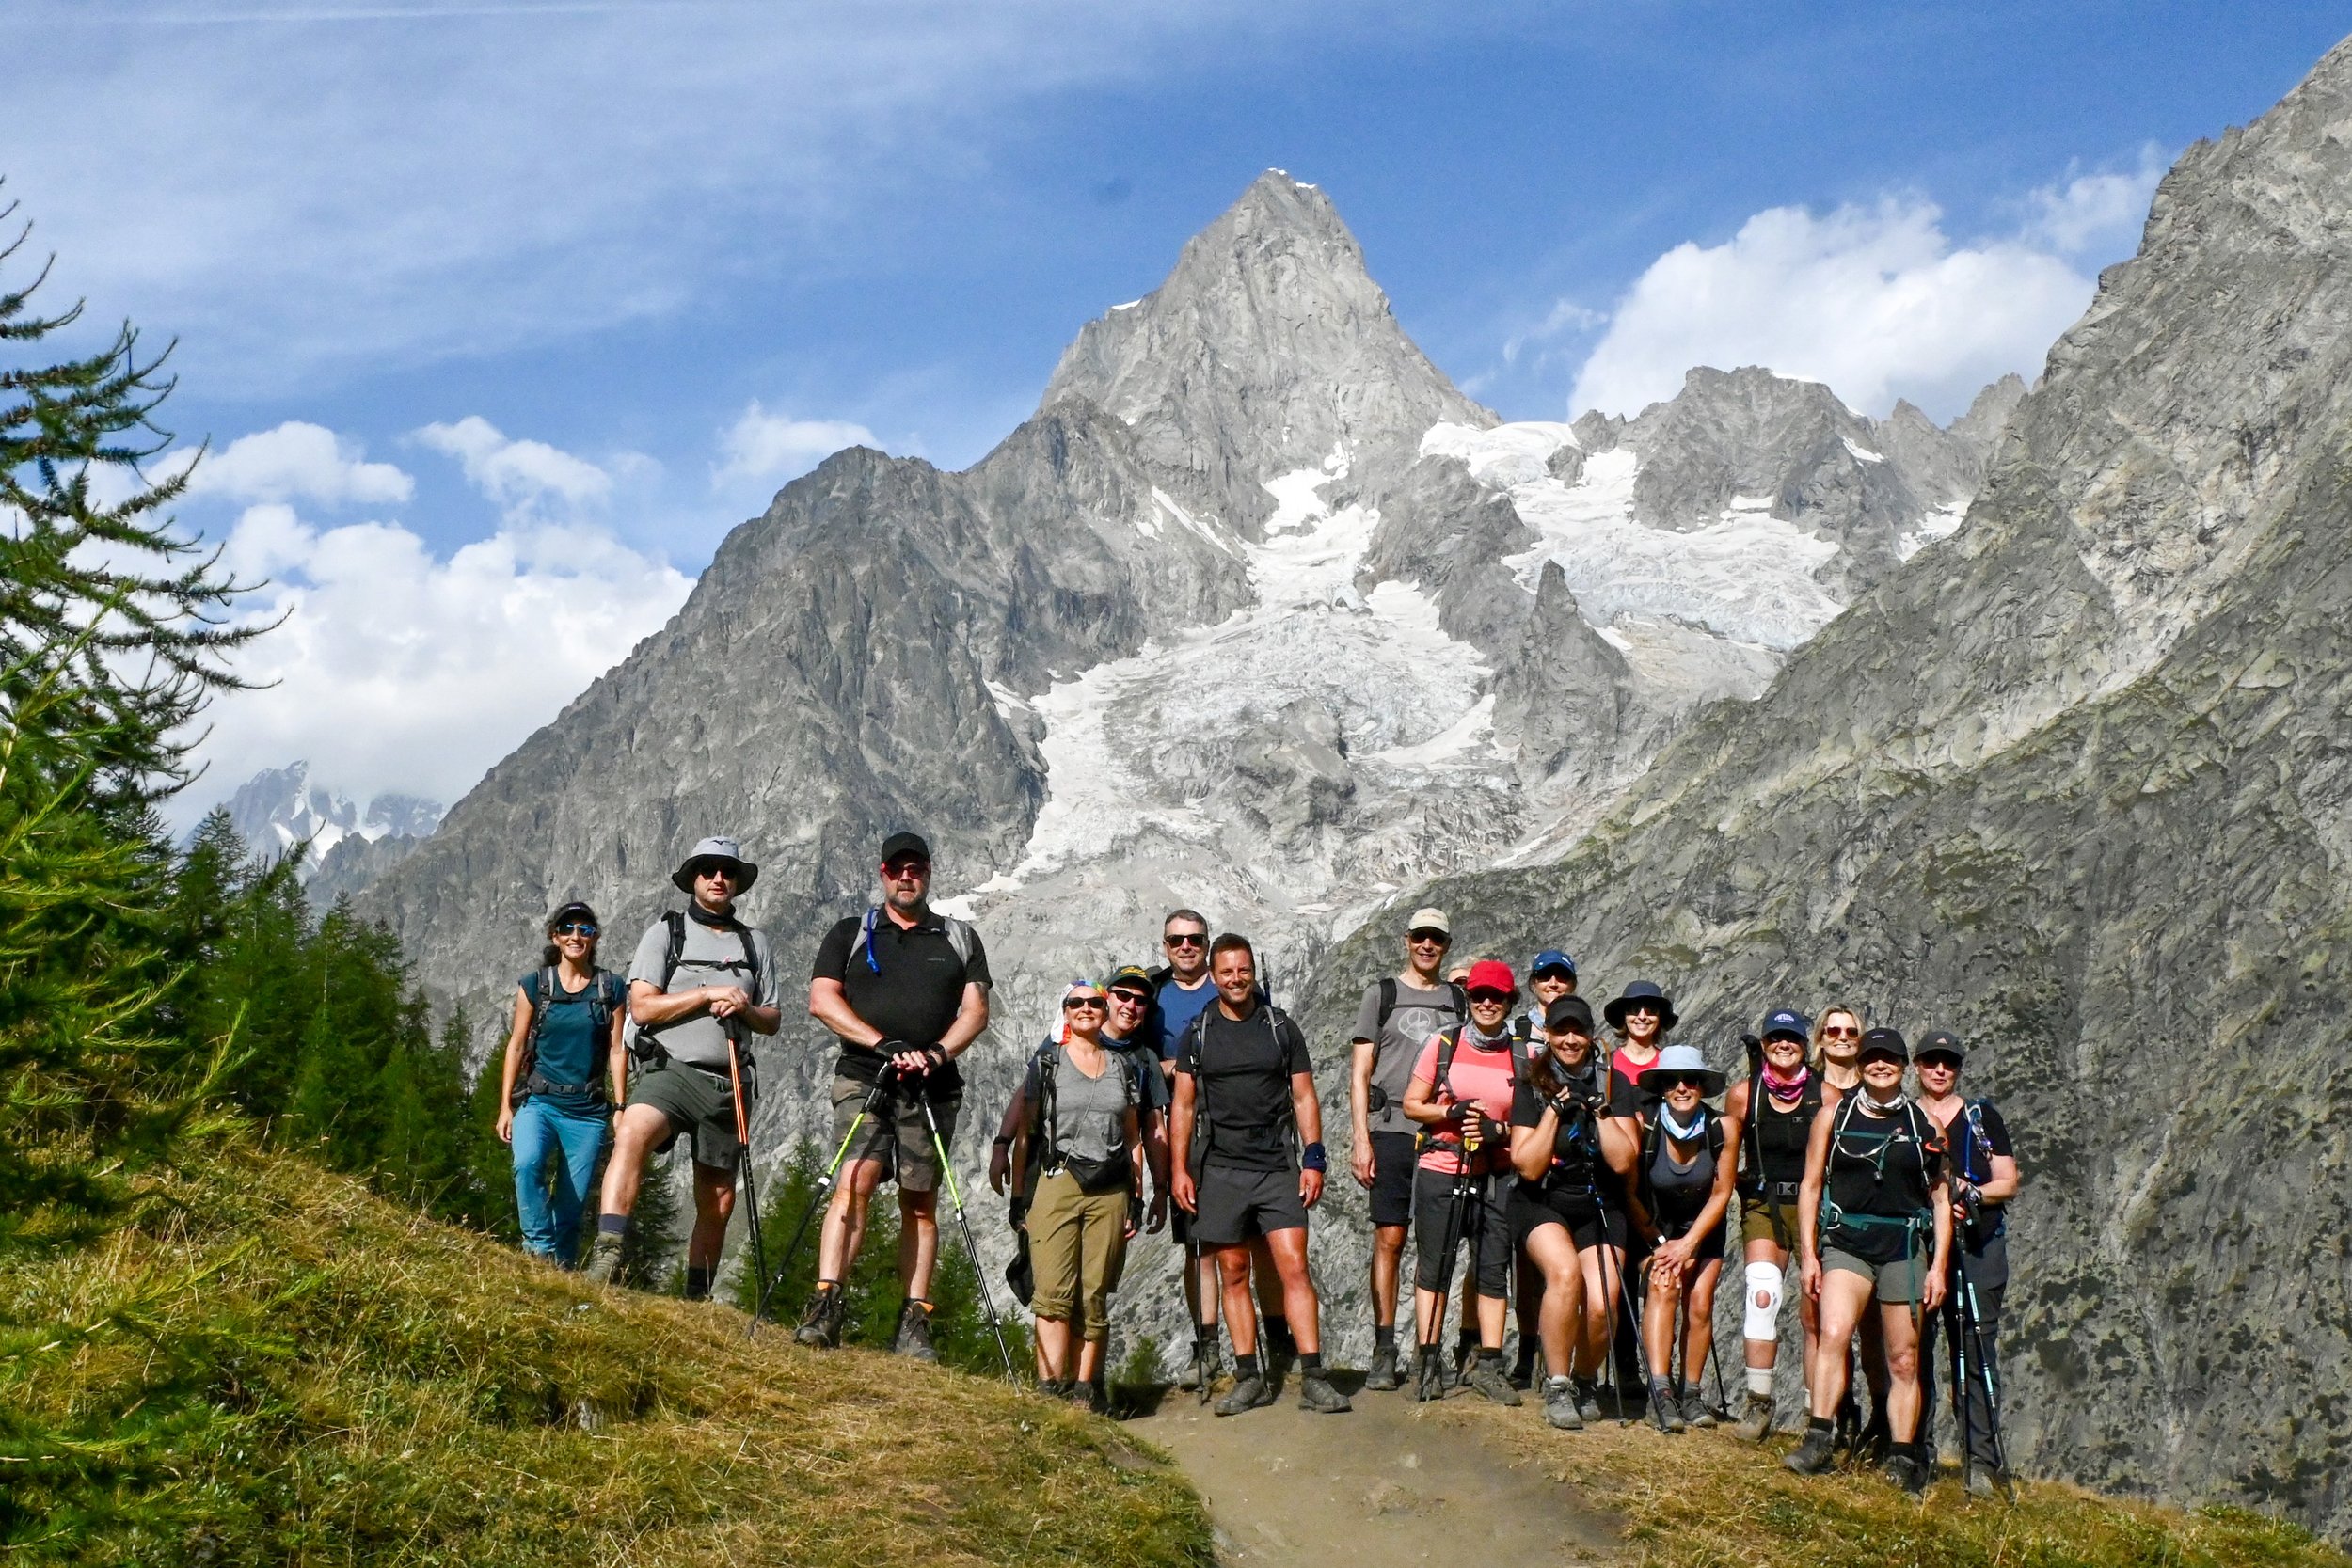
point(2074, 783)
point(279, 808)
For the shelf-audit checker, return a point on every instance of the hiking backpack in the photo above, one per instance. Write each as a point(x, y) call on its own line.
point(545, 992)
point(960, 936)
point(642, 1044)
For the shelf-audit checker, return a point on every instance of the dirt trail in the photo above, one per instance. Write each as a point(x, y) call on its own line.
point(1389, 1484)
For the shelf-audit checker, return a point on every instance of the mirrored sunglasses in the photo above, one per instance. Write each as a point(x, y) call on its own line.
point(575, 928)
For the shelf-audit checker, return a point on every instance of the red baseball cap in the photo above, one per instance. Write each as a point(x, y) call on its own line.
point(1491, 974)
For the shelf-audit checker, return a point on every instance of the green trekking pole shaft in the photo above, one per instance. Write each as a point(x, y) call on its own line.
point(980, 1274)
point(817, 1198)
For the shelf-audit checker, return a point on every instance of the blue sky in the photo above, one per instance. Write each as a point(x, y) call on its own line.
point(584, 282)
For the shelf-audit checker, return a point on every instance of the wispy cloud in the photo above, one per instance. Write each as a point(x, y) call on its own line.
point(299, 461)
point(519, 475)
point(760, 446)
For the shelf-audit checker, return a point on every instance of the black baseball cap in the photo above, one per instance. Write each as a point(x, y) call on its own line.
point(1883, 1042)
point(1569, 1010)
point(904, 844)
point(1941, 1042)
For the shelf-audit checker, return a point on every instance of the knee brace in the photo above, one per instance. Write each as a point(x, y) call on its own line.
point(1762, 1322)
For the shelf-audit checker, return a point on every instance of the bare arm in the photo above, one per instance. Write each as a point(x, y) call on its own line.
point(1422, 1104)
point(616, 1060)
point(513, 1070)
point(1308, 1112)
point(1359, 1062)
point(1531, 1146)
point(971, 1018)
point(2005, 1183)
point(1809, 1191)
point(1180, 1120)
point(1726, 1176)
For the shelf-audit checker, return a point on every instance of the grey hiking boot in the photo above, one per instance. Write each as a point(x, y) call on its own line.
point(1587, 1398)
point(1201, 1371)
point(914, 1331)
point(1665, 1410)
point(1080, 1395)
point(1428, 1379)
point(1560, 1404)
point(1487, 1380)
point(1052, 1389)
point(1250, 1391)
point(820, 1327)
point(1315, 1393)
point(604, 1259)
point(1906, 1472)
point(1382, 1377)
point(1758, 1421)
point(1696, 1413)
point(1981, 1480)
point(1815, 1453)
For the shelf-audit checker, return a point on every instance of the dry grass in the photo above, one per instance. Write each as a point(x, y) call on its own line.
point(1705, 1500)
point(348, 1382)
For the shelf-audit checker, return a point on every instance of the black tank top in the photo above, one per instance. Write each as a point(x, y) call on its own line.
point(1779, 1137)
point(1878, 1166)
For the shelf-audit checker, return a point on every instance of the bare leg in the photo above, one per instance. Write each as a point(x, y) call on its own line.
point(918, 1241)
point(635, 1130)
point(1552, 1251)
point(1289, 1250)
point(714, 1200)
point(1698, 1321)
point(844, 1230)
point(1603, 1268)
point(1388, 1249)
point(1053, 1348)
point(1901, 1337)
point(1844, 1296)
point(1233, 1267)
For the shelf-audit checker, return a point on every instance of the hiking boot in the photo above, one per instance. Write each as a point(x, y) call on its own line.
point(1428, 1380)
point(1097, 1397)
point(1875, 1442)
point(1815, 1453)
point(1487, 1380)
point(915, 1332)
point(1560, 1404)
point(1665, 1410)
point(1052, 1389)
point(1587, 1398)
point(1315, 1393)
point(1382, 1377)
point(1201, 1371)
point(1907, 1473)
point(1758, 1421)
point(604, 1259)
point(1080, 1395)
point(1981, 1480)
point(1696, 1413)
point(1250, 1392)
point(821, 1328)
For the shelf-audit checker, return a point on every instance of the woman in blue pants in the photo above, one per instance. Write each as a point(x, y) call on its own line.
point(565, 1069)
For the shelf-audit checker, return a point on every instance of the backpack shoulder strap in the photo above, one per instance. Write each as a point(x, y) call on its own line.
point(960, 937)
point(1388, 1002)
point(1449, 1042)
point(1461, 1000)
point(751, 957)
point(1041, 1125)
point(674, 953)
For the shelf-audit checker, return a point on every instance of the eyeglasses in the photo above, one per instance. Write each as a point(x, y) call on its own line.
point(576, 929)
point(1185, 939)
point(1131, 999)
point(901, 871)
point(1429, 939)
point(1484, 998)
point(1083, 1004)
point(1841, 1034)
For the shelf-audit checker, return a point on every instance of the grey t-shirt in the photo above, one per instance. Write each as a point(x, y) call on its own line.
point(1395, 1044)
point(1090, 1113)
point(711, 958)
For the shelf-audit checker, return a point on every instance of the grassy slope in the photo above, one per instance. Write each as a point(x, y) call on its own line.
point(352, 1382)
point(1706, 1500)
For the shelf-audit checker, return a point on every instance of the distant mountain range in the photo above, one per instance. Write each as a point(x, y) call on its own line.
point(344, 848)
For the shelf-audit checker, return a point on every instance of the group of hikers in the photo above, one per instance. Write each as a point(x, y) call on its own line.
point(1590, 1191)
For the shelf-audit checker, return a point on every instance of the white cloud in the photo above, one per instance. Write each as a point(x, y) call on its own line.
point(521, 475)
point(299, 461)
point(399, 671)
point(1878, 302)
point(765, 446)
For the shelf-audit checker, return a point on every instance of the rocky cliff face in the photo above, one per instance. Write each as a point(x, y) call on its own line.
point(2074, 783)
point(1257, 614)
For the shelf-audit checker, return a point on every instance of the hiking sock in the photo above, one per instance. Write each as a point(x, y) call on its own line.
point(1384, 1339)
point(1760, 1381)
point(1819, 1423)
point(1310, 1361)
point(612, 1225)
point(1245, 1368)
point(697, 1283)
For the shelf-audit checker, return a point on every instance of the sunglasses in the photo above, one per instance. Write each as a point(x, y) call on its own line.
point(900, 871)
point(1186, 939)
point(1937, 1064)
point(1484, 998)
point(711, 871)
point(1131, 999)
point(576, 929)
point(1429, 939)
point(1674, 1084)
point(1083, 1004)
point(1841, 1034)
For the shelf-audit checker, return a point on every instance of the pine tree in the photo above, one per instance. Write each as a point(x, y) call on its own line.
point(650, 1252)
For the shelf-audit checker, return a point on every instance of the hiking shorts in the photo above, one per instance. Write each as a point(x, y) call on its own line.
point(1393, 1165)
point(698, 1103)
point(1758, 1224)
point(1485, 1229)
point(1894, 1284)
point(1587, 1223)
point(896, 1133)
point(1235, 1206)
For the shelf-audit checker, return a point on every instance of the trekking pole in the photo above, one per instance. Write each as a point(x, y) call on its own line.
point(817, 1198)
point(743, 1161)
point(1428, 1353)
point(1953, 1326)
point(1975, 1326)
point(1202, 1328)
point(979, 1275)
point(1635, 1303)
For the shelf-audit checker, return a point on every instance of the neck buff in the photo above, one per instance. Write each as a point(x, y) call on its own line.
point(1676, 1129)
point(1789, 1088)
point(1876, 1106)
point(704, 917)
point(1500, 1040)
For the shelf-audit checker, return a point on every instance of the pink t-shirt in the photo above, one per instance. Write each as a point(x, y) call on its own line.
point(1483, 1078)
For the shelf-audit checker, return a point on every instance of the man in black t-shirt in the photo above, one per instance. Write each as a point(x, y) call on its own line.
point(905, 990)
point(1243, 1083)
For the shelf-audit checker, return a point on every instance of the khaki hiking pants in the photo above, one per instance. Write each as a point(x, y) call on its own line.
point(1076, 1244)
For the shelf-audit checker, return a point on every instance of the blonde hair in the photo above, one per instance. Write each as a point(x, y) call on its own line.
point(1813, 1052)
